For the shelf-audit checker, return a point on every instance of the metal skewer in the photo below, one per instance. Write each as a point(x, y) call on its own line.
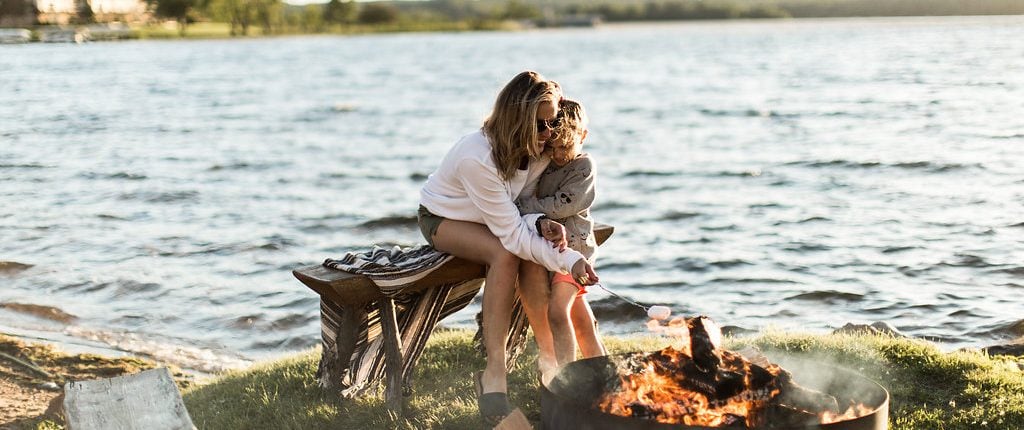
point(645, 308)
point(656, 312)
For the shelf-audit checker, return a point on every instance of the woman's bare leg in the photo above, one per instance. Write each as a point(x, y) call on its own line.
point(585, 324)
point(534, 288)
point(563, 295)
point(474, 242)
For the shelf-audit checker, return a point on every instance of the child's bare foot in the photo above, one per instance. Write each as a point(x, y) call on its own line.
point(547, 369)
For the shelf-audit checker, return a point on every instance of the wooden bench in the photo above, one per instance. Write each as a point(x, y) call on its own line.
point(354, 291)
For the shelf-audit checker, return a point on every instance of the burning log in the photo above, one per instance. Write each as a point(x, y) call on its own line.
point(795, 396)
point(705, 339)
point(699, 383)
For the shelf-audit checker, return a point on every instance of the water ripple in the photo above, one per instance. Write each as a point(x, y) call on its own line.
point(391, 221)
point(827, 296)
point(679, 215)
point(647, 173)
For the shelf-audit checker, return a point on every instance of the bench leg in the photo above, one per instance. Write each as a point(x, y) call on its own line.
point(392, 356)
point(342, 329)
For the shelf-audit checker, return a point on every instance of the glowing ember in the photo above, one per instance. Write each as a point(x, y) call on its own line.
point(698, 383)
point(853, 411)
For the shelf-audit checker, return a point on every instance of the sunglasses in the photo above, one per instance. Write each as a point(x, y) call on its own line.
point(548, 124)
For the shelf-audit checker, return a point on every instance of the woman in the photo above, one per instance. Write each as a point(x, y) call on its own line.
point(467, 209)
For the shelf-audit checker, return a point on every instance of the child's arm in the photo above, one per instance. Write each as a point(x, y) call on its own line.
point(574, 195)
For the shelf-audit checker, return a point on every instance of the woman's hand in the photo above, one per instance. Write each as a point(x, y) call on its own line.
point(553, 232)
point(583, 273)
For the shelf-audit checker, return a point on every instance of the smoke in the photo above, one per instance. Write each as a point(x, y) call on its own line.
point(676, 330)
point(819, 372)
point(824, 373)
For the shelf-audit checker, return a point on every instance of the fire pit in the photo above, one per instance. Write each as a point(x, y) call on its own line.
point(700, 386)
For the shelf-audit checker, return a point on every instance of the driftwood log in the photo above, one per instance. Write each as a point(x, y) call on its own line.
point(148, 400)
point(352, 291)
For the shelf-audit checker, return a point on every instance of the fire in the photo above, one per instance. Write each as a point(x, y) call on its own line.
point(656, 392)
point(853, 411)
point(698, 383)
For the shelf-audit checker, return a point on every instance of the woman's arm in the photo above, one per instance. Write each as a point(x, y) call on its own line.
point(493, 198)
point(575, 194)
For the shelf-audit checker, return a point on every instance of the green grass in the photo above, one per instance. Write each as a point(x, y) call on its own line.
point(284, 395)
point(930, 389)
point(198, 30)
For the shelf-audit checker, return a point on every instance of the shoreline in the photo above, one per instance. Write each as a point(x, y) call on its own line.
point(38, 326)
point(52, 326)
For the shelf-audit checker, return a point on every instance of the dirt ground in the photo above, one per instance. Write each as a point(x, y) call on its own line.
point(23, 407)
point(32, 376)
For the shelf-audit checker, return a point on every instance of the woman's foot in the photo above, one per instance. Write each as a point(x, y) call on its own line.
point(494, 406)
point(492, 383)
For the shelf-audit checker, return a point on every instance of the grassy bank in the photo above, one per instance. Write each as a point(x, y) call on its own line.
point(930, 389)
point(199, 30)
point(220, 30)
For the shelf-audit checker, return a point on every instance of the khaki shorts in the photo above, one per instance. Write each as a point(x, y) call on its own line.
point(428, 223)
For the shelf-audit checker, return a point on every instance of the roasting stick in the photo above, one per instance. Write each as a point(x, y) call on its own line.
point(657, 312)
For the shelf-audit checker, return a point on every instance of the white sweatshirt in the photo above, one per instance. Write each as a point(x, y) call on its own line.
point(466, 187)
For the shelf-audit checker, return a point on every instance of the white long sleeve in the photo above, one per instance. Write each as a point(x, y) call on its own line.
point(467, 187)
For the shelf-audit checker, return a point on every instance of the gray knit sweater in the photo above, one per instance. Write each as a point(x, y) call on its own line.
point(565, 194)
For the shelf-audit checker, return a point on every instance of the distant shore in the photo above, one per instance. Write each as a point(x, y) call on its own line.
point(221, 30)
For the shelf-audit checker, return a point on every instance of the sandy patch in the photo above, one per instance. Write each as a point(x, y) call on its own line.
point(22, 406)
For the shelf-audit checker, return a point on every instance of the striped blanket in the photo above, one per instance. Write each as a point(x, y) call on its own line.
point(353, 348)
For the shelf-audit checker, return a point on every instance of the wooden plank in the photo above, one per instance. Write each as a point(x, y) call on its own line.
point(392, 357)
point(340, 287)
point(602, 232)
point(146, 400)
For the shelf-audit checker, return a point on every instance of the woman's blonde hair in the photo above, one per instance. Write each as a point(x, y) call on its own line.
point(572, 123)
point(512, 127)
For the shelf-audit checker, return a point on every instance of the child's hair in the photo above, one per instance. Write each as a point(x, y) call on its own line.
point(572, 123)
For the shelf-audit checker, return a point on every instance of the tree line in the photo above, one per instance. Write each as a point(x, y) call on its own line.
point(275, 16)
point(646, 10)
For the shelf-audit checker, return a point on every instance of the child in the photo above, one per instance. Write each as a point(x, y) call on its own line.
point(564, 193)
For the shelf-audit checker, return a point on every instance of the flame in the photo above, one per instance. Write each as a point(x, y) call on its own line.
point(653, 393)
point(667, 386)
point(853, 411)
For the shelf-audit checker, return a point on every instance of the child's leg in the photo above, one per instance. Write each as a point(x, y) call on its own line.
point(586, 329)
point(533, 291)
point(563, 295)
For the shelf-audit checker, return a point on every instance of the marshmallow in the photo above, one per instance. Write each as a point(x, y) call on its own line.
point(659, 312)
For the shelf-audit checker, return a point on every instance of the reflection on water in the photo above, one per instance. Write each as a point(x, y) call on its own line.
point(790, 173)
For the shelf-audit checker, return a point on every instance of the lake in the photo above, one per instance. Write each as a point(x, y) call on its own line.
point(797, 174)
